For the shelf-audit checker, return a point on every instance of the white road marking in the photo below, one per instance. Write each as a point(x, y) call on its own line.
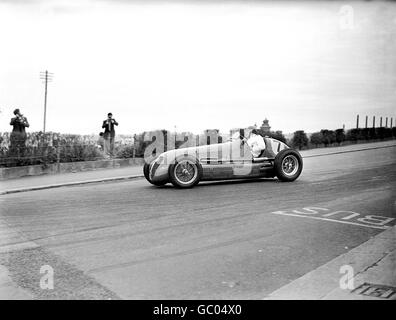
point(332, 220)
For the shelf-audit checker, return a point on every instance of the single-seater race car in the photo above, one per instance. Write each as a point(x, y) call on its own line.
point(186, 167)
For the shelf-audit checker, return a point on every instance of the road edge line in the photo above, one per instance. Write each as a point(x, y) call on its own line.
point(67, 184)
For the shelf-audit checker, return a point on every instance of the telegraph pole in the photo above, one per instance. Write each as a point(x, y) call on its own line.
point(47, 77)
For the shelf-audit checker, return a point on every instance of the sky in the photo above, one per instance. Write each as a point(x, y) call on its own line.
point(196, 65)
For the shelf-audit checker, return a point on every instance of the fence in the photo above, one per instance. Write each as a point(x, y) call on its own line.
point(51, 147)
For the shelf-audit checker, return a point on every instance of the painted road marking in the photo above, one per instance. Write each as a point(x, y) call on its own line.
point(375, 290)
point(340, 216)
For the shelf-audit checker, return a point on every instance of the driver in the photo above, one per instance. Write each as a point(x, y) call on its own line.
point(256, 143)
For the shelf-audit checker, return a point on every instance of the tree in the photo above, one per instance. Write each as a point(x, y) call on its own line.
point(278, 135)
point(372, 133)
point(329, 137)
point(365, 133)
point(300, 139)
point(353, 135)
point(316, 138)
point(340, 136)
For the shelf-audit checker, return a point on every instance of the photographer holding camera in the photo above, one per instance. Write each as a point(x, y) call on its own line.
point(109, 134)
point(18, 134)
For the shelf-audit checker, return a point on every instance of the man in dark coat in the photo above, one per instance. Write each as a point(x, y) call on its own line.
point(18, 134)
point(109, 134)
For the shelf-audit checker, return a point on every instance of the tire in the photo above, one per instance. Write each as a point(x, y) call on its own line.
point(288, 165)
point(186, 172)
point(146, 172)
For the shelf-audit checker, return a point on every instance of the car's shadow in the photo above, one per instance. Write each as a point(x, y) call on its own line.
point(205, 184)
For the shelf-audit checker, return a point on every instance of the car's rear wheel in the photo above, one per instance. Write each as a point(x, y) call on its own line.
point(185, 172)
point(146, 172)
point(288, 165)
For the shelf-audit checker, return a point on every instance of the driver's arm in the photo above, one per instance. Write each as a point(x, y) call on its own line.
point(251, 142)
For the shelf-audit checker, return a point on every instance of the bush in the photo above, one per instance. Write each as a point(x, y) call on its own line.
point(125, 151)
point(79, 152)
point(369, 133)
point(49, 147)
point(383, 133)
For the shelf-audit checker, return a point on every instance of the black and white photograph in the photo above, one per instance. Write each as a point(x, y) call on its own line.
point(212, 152)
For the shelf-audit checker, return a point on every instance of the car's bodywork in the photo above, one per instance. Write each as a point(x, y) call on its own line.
point(230, 160)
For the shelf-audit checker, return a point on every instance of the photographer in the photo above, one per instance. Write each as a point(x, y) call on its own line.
point(109, 134)
point(18, 134)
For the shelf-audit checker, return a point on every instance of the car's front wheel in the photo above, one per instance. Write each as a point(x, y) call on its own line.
point(185, 172)
point(288, 165)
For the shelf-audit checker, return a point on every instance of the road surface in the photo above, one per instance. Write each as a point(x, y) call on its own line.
point(219, 240)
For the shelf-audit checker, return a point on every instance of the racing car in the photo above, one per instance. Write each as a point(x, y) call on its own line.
point(186, 167)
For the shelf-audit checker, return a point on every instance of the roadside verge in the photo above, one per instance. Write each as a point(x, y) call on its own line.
point(371, 268)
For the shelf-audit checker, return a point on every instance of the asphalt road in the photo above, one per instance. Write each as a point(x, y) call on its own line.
point(221, 240)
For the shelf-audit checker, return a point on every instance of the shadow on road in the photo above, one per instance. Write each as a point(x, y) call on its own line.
point(222, 182)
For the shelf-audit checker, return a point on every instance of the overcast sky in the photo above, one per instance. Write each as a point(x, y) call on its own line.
point(197, 65)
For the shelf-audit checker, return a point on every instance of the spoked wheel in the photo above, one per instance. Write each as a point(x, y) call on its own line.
point(185, 172)
point(288, 165)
